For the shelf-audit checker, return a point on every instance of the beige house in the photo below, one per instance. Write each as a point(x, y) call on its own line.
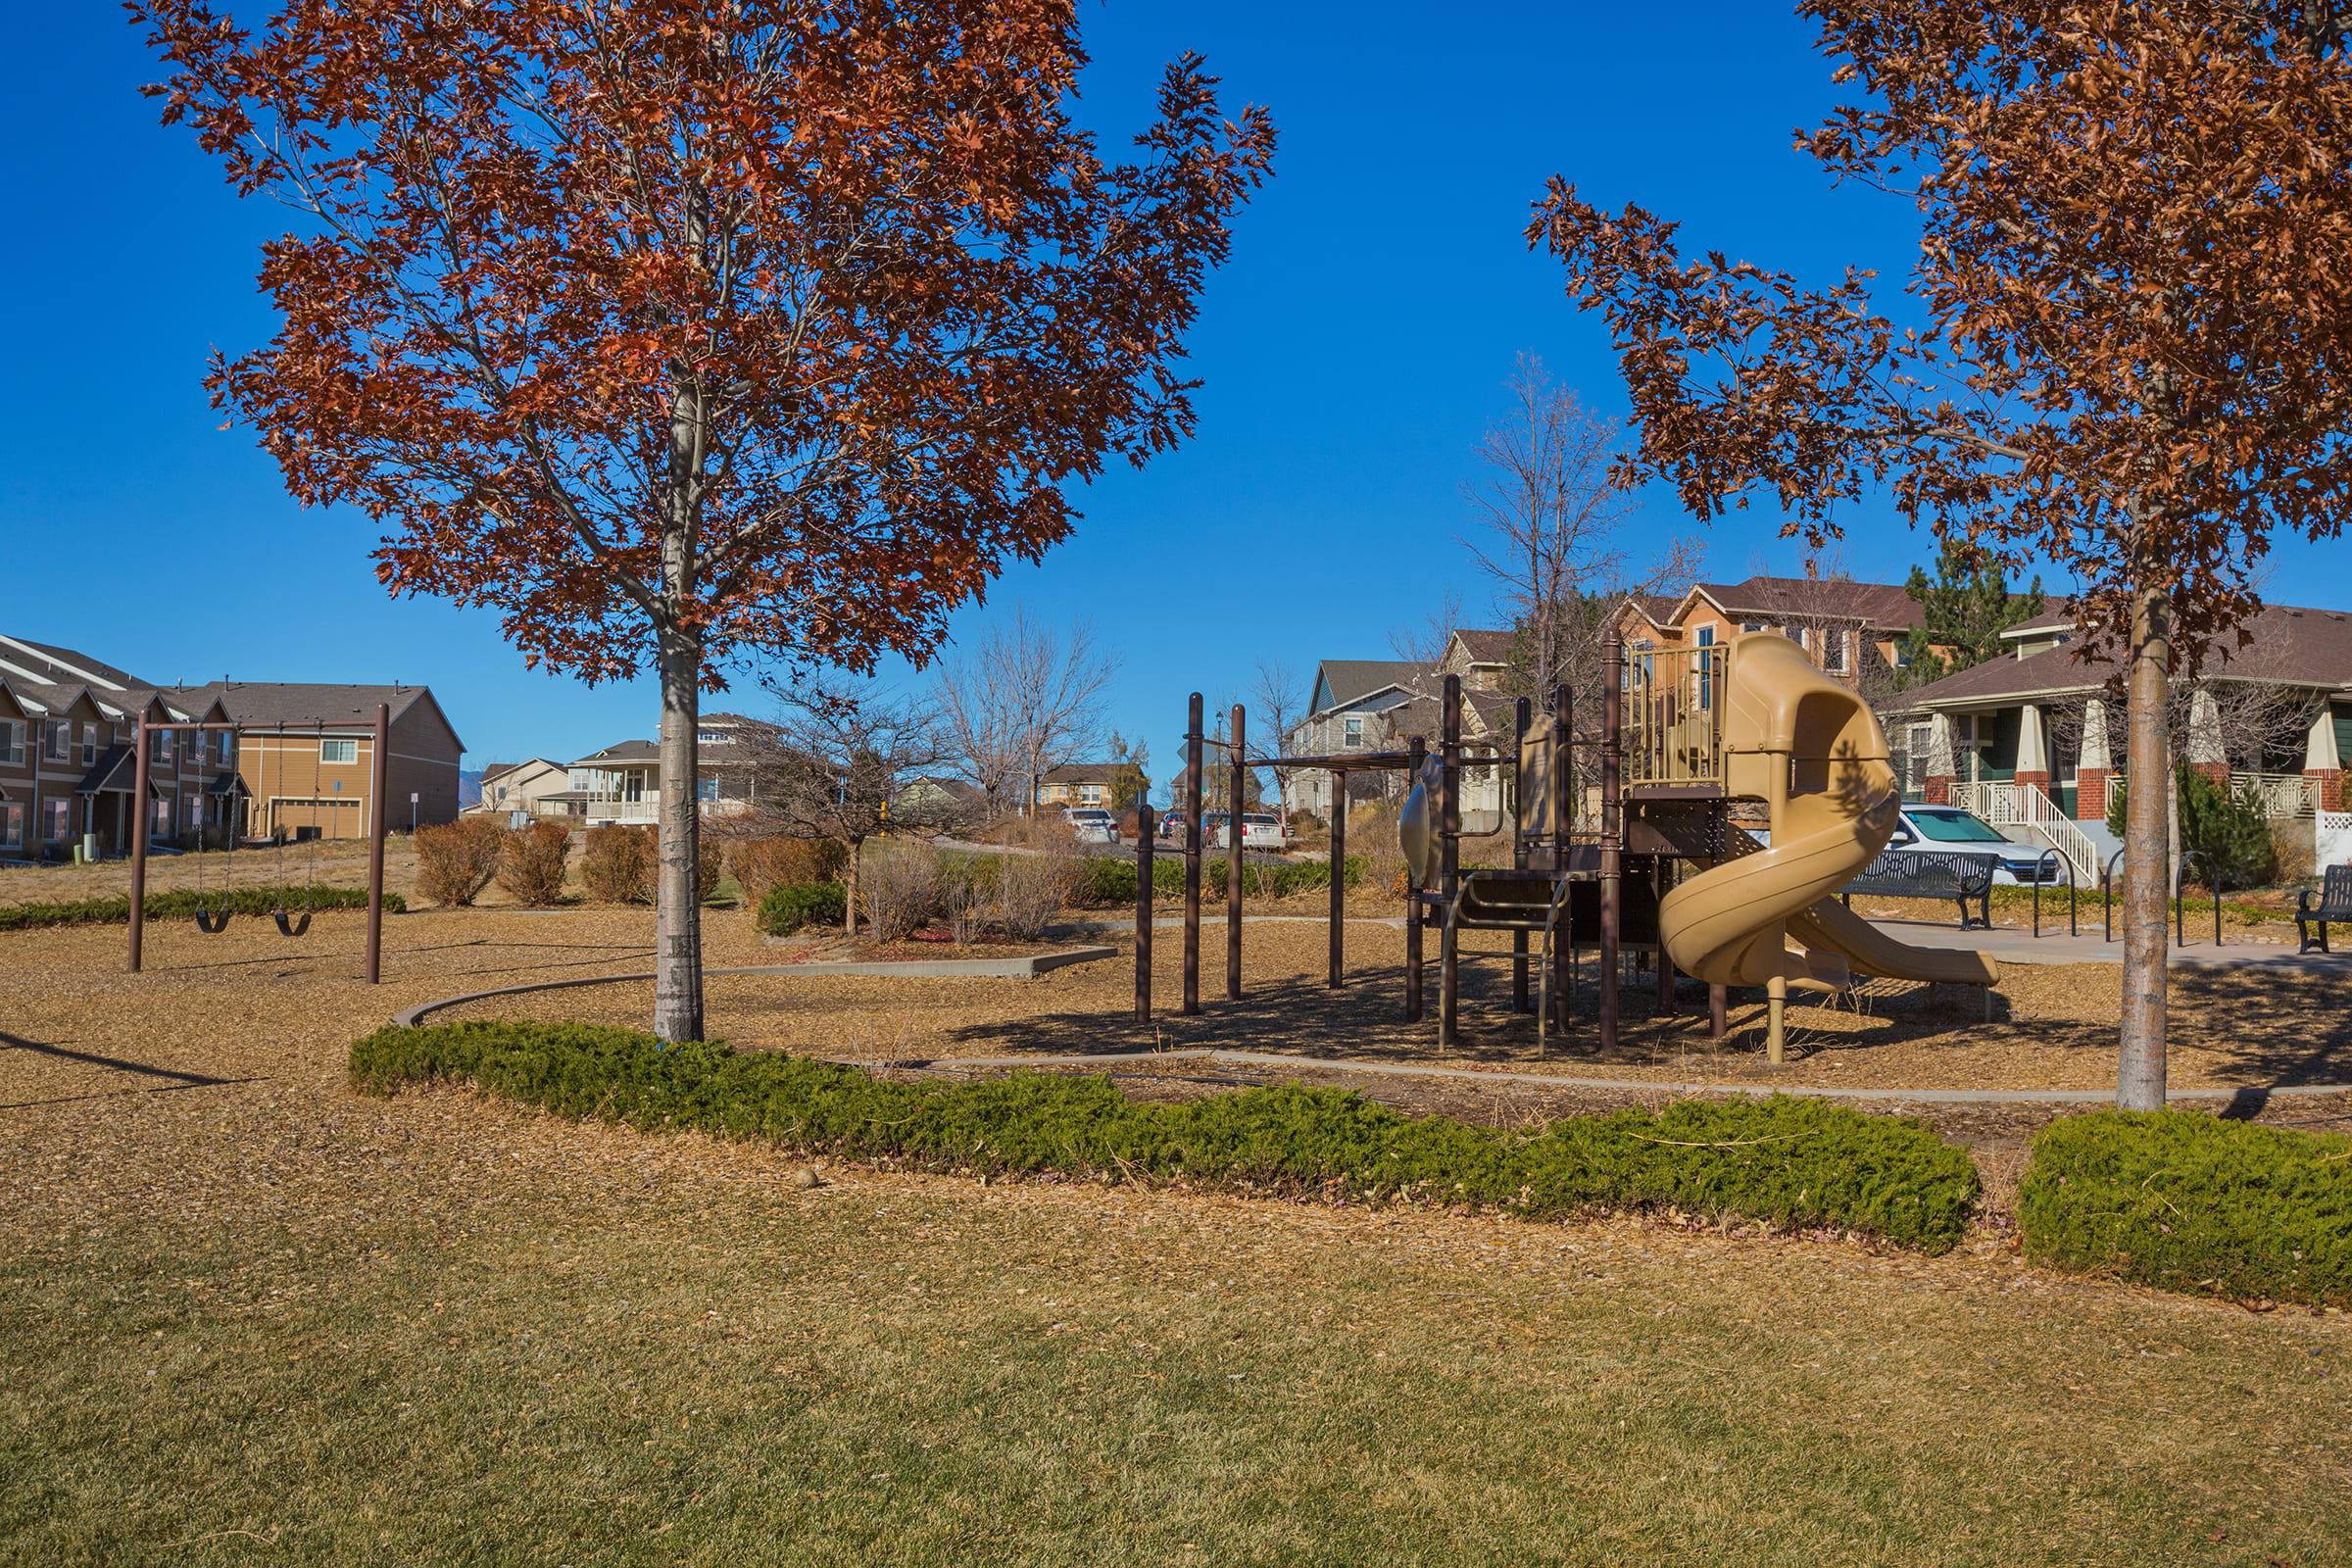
point(306, 756)
point(509, 787)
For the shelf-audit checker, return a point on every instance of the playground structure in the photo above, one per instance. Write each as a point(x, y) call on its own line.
point(212, 922)
point(1645, 858)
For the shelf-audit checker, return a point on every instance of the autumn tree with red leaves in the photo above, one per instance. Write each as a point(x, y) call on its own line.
point(688, 332)
point(2128, 348)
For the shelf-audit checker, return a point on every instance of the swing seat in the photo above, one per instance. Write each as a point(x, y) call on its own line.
point(288, 926)
point(211, 922)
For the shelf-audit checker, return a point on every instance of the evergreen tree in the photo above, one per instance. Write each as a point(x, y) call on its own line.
point(1965, 609)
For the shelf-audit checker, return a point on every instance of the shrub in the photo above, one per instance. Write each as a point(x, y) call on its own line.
point(456, 860)
point(791, 906)
point(1102, 882)
point(2188, 1201)
point(758, 864)
point(1027, 891)
point(2220, 832)
point(530, 864)
point(1788, 1162)
point(183, 903)
point(897, 887)
point(618, 865)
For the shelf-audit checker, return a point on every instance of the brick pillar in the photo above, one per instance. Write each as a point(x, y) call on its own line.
point(2330, 787)
point(2218, 772)
point(2090, 795)
point(2038, 779)
point(1936, 789)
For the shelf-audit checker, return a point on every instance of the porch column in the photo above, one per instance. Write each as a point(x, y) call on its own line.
point(1936, 789)
point(2033, 751)
point(2322, 763)
point(2205, 753)
point(2094, 769)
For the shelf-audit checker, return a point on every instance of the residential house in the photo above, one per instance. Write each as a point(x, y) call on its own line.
point(2033, 742)
point(510, 787)
point(1841, 623)
point(1080, 784)
point(1345, 713)
point(622, 782)
point(67, 768)
point(306, 756)
point(1363, 704)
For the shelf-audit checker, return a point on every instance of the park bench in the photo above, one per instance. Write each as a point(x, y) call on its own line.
point(2335, 904)
point(1929, 874)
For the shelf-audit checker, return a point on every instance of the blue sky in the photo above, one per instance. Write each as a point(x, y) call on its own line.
point(1354, 350)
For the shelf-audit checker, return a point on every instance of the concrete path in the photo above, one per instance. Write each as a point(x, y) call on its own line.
point(2054, 945)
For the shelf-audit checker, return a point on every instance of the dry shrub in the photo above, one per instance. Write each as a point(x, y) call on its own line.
point(2293, 846)
point(1032, 889)
point(456, 860)
point(530, 864)
point(899, 882)
point(1372, 835)
point(965, 897)
point(760, 864)
point(620, 864)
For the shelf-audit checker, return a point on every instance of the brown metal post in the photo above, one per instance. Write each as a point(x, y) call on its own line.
point(1612, 827)
point(1719, 1011)
point(378, 770)
point(138, 842)
point(1233, 858)
point(1416, 753)
point(1143, 913)
point(1449, 828)
point(1339, 876)
point(1563, 808)
point(1192, 857)
point(1523, 715)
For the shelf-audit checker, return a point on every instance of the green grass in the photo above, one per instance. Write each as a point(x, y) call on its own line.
point(1789, 1162)
point(698, 1366)
point(182, 903)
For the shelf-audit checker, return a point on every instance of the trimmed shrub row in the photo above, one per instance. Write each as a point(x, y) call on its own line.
point(183, 903)
point(1110, 882)
point(1786, 1161)
point(2188, 1201)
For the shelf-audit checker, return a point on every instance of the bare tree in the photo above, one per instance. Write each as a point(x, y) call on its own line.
point(1424, 644)
point(1553, 518)
point(1025, 699)
point(1282, 699)
point(839, 764)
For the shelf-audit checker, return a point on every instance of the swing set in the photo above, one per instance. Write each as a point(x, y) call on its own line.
point(213, 912)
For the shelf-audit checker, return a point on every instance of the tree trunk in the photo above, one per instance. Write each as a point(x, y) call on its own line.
point(2147, 879)
point(849, 886)
point(678, 938)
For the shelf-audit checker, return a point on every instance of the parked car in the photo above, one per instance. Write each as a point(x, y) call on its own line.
point(1171, 830)
point(1213, 829)
point(1260, 832)
point(1949, 830)
point(1091, 824)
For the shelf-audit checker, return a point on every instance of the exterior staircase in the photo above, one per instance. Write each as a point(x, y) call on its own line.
point(2007, 805)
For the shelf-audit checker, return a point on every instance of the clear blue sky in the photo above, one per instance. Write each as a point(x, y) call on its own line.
point(1354, 350)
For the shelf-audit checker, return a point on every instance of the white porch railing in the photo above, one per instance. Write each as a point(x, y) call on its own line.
point(599, 811)
point(2279, 796)
point(2005, 804)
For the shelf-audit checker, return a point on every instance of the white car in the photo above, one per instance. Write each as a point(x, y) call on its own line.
point(1949, 830)
point(1091, 824)
point(1260, 832)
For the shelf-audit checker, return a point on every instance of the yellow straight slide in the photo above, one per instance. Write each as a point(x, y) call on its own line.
point(1813, 752)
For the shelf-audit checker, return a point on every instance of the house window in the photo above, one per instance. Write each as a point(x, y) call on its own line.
point(56, 820)
point(57, 739)
point(338, 751)
point(1902, 653)
point(224, 746)
point(706, 789)
point(12, 743)
point(89, 744)
point(713, 737)
point(191, 808)
point(158, 747)
point(1354, 729)
point(1706, 668)
point(12, 825)
point(1090, 793)
point(579, 780)
point(159, 818)
point(1832, 650)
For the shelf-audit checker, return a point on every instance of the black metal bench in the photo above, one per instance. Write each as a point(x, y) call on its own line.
point(1928, 874)
point(2335, 904)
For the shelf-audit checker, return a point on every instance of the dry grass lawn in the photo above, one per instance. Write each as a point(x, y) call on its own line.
point(246, 1316)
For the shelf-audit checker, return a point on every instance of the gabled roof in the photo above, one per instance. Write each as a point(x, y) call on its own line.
point(496, 769)
point(1081, 773)
point(2289, 645)
point(1486, 647)
point(1878, 606)
point(1351, 680)
point(622, 751)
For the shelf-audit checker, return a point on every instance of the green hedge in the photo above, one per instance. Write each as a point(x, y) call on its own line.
point(788, 906)
point(181, 904)
point(2189, 1201)
point(1793, 1162)
point(1107, 881)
